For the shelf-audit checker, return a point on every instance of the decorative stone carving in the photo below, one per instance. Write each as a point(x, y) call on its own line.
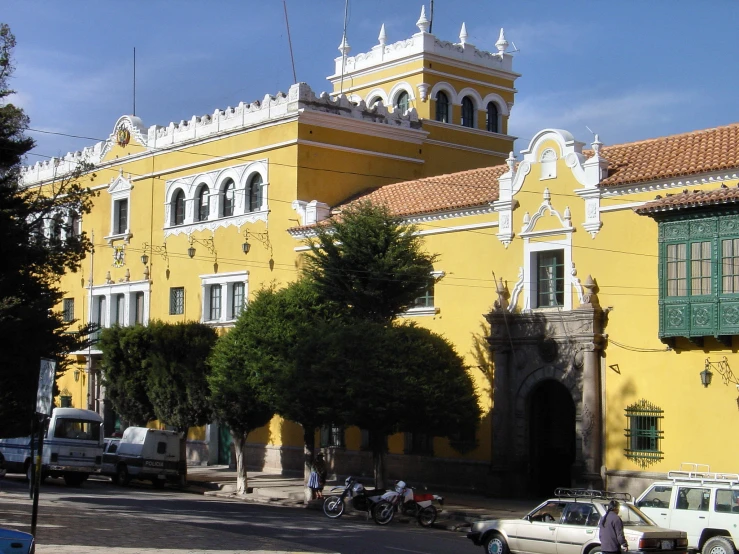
point(423, 89)
point(502, 290)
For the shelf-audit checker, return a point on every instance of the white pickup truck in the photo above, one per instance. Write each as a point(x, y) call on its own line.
point(73, 447)
point(702, 503)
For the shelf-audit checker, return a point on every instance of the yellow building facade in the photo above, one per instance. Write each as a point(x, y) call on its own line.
point(191, 218)
point(590, 312)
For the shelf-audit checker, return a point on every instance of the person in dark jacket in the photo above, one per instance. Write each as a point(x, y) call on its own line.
point(611, 530)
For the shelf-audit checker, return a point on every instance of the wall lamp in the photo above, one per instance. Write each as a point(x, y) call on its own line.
point(722, 368)
point(76, 375)
point(209, 244)
point(154, 249)
point(261, 237)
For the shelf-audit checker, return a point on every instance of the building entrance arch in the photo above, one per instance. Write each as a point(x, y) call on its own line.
point(551, 437)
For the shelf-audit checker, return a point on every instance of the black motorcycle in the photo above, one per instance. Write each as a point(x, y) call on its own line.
point(353, 492)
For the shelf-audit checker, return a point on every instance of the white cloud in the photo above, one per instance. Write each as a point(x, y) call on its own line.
point(629, 116)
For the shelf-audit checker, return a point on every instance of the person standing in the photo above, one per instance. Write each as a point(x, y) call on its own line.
point(611, 529)
point(317, 478)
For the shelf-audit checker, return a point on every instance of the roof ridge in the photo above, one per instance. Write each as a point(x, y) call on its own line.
point(677, 135)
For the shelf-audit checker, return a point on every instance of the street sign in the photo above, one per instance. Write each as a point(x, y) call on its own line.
point(45, 394)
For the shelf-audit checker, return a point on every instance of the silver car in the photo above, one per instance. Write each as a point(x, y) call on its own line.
point(568, 524)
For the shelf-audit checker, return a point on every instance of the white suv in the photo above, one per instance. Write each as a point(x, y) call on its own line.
point(704, 504)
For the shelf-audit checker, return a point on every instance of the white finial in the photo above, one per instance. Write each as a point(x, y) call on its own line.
point(596, 145)
point(568, 215)
point(463, 35)
point(547, 195)
point(423, 24)
point(511, 161)
point(344, 46)
point(383, 37)
point(526, 218)
point(502, 43)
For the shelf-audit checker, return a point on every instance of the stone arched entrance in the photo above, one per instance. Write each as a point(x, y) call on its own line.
point(546, 400)
point(551, 437)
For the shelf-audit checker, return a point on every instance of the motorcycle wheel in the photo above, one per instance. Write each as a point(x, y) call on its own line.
point(427, 516)
point(383, 513)
point(333, 506)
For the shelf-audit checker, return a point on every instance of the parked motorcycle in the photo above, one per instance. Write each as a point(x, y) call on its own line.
point(354, 493)
point(403, 498)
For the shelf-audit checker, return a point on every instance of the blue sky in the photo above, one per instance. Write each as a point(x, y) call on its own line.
point(629, 70)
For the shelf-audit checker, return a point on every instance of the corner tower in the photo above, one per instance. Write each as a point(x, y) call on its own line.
point(462, 95)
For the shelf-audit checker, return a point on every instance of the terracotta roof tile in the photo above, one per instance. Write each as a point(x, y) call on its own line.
point(454, 191)
point(656, 159)
point(673, 156)
point(690, 199)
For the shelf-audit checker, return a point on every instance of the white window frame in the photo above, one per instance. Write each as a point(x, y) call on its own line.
point(531, 251)
point(119, 190)
point(426, 310)
point(110, 292)
point(226, 282)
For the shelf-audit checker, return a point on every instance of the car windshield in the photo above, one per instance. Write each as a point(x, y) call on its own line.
point(632, 516)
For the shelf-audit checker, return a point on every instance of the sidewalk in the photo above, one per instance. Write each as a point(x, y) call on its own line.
point(460, 509)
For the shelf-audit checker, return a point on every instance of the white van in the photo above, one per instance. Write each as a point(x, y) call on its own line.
point(73, 447)
point(146, 454)
point(702, 503)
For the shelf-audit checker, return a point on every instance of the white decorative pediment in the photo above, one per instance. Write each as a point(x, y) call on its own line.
point(120, 186)
point(128, 128)
point(529, 222)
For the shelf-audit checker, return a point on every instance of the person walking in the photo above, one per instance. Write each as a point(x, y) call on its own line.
point(611, 529)
point(317, 478)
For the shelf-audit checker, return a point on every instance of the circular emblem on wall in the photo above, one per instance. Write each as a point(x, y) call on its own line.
point(731, 315)
point(122, 136)
point(701, 316)
point(675, 317)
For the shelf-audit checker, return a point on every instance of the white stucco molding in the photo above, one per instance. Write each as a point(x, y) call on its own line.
point(472, 93)
point(374, 94)
point(497, 99)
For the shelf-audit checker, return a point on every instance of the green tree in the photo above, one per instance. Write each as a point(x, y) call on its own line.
point(396, 378)
point(369, 262)
point(125, 369)
point(33, 261)
point(178, 378)
point(273, 336)
point(234, 391)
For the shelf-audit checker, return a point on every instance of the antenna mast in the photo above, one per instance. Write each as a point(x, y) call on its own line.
point(431, 19)
point(134, 80)
point(289, 41)
point(343, 51)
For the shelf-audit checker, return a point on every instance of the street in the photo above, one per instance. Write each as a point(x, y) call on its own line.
point(101, 517)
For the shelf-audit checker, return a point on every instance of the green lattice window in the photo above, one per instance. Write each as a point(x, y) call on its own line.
point(643, 433)
point(699, 276)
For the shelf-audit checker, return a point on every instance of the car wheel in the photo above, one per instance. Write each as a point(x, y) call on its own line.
point(157, 483)
point(718, 545)
point(123, 478)
point(496, 544)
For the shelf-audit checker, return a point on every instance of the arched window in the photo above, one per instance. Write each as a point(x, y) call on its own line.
point(203, 204)
point(255, 193)
point(178, 208)
point(56, 229)
point(492, 122)
point(468, 112)
point(442, 107)
point(375, 101)
point(227, 199)
point(403, 102)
